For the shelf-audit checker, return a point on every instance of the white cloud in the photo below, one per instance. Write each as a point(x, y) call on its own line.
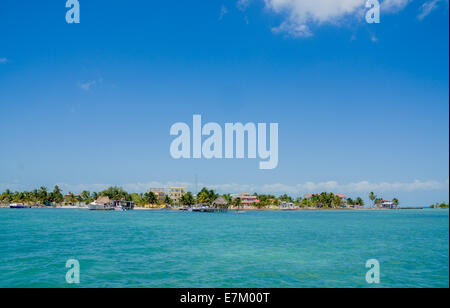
point(87, 85)
point(3, 60)
point(391, 6)
point(295, 190)
point(223, 12)
point(131, 187)
point(301, 15)
point(293, 30)
point(333, 186)
point(243, 4)
point(427, 8)
point(276, 188)
point(320, 11)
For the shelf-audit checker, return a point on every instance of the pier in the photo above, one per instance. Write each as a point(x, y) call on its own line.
point(209, 210)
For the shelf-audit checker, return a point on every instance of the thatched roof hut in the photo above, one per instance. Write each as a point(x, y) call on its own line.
point(220, 202)
point(103, 200)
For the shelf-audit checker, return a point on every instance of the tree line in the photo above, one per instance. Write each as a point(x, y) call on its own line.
point(43, 196)
point(439, 206)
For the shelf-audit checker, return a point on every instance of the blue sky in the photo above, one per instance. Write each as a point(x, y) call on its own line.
point(360, 106)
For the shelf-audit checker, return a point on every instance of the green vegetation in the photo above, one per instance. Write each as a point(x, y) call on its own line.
point(188, 199)
point(396, 202)
point(150, 198)
point(115, 193)
point(237, 203)
point(206, 196)
point(439, 206)
point(372, 198)
point(266, 200)
point(167, 200)
point(324, 200)
point(378, 202)
point(37, 196)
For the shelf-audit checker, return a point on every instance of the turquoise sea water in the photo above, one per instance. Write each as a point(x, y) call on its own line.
point(252, 249)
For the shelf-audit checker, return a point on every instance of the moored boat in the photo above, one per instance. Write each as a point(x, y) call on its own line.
point(207, 209)
point(105, 204)
point(220, 205)
point(123, 205)
point(100, 207)
point(18, 206)
point(101, 204)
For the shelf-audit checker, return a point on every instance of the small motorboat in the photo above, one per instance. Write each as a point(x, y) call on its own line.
point(100, 207)
point(18, 206)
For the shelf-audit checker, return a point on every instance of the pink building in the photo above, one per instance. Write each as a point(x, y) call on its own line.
point(247, 199)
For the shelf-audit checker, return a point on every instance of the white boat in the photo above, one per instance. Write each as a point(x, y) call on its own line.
point(94, 206)
point(18, 206)
point(122, 205)
point(105, 204)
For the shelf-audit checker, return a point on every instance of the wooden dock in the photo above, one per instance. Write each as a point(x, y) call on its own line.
point(209, 210)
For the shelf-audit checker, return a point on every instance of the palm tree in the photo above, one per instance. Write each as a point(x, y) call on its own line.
point(86, 197)
point(378, 201)
point(138, 199)
point(395, 202)
point(237, 202)
point(188, 199)
point(72, 199)
point(56, 195)
point(35, 195)
point(336, 202)
point(315, 200)
point(150, 198)
point(206, 196)
point(7, 196)
point(285, 198)
point(228, 198)
point(203, 196)
point(306, 203)
point(95, 195)
point(276, 201)
point(359, 201)
point(372, 197)
point(116, 193)
point(26, 197)
point(43, 195)
point(167, 200)
point(350, 201)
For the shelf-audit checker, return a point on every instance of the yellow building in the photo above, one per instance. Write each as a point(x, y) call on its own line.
point(175, 193)
point(160, 193)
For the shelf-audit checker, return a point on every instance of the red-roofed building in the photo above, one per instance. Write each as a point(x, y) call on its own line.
point(247, 199)
point(387, 204)
point(341, 196)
